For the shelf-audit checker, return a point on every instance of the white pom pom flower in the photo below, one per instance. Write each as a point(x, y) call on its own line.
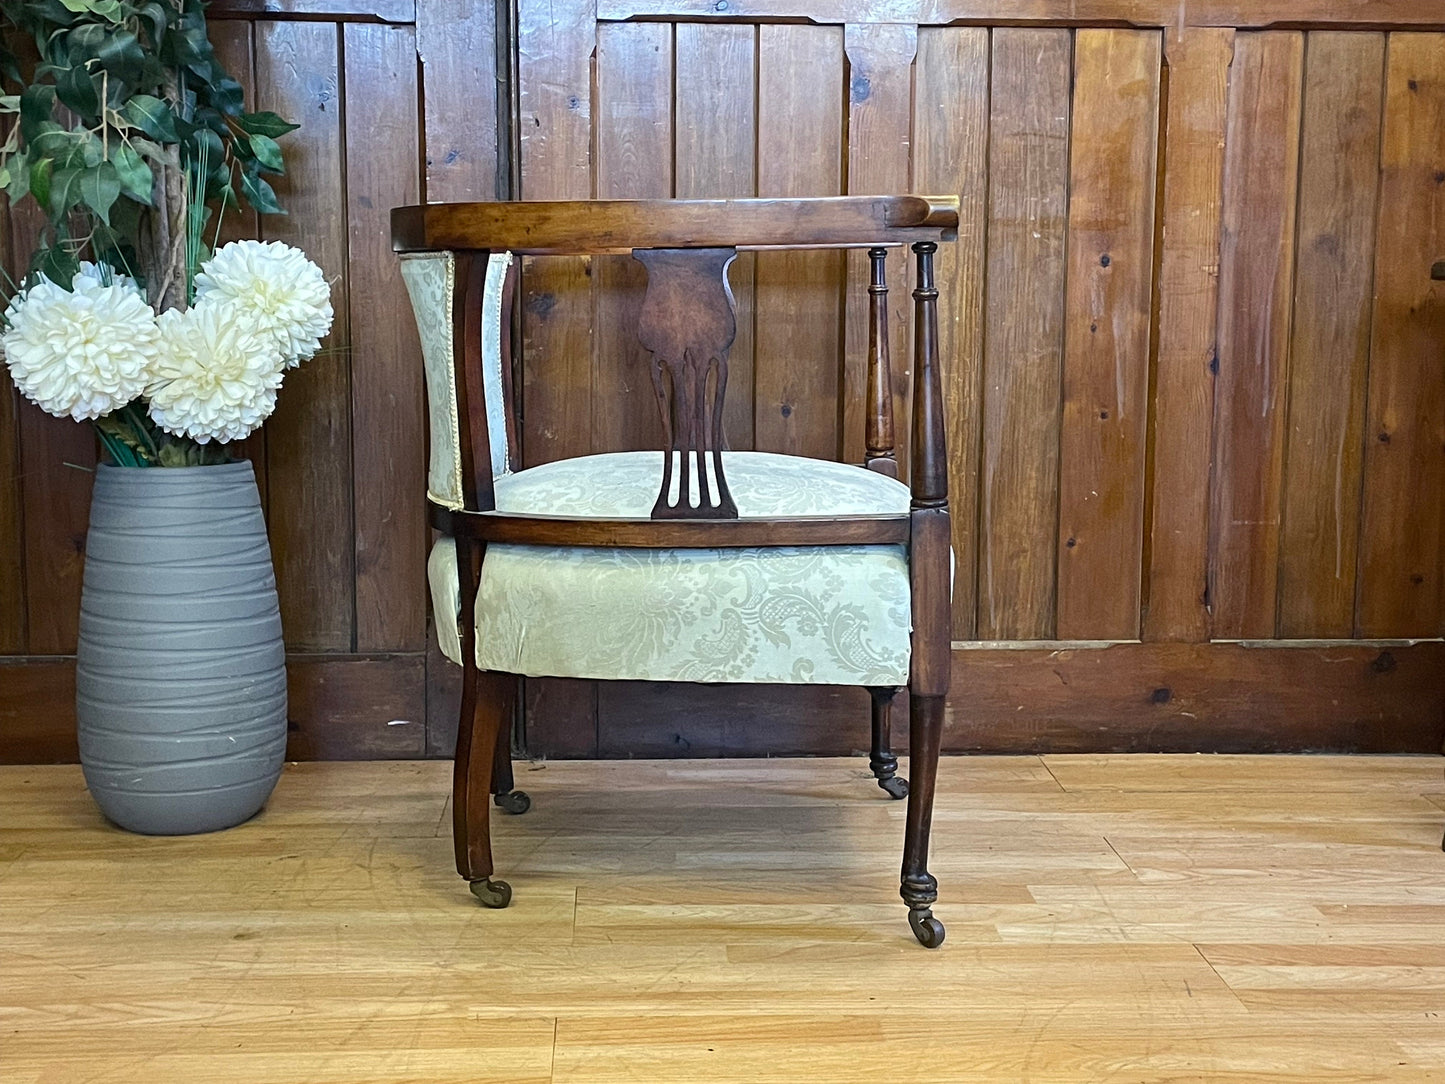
point(283, 293)
point(80, 353)
point(217, 375)
point(92, 275)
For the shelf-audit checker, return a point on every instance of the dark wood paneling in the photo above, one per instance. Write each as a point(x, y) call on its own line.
point(799, 294)
point(1330, 345)
point(37, 711)
point(1222, 698)
point(561, 717)
point(1023, 344)
point(951, 138)
point(391, 11)
point(308, 440)
point(880, 120)
point(457, 43)
point(1106, 332)
point(12, 524)
point(356, 708)
point(1404, 469)
point(633, 161)
point(715, 156)
point(1176, 14)
point(1176, 604)
point(1256, 267)
point(554, 89)
point(383, 161)
point(57, 459)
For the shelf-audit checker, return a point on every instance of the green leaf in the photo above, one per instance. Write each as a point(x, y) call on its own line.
point(17, 184)
point(260, 195)
point(152, 116)
point(136, 179)
point(265, 124)
point(122, 56)
point(40, 174)
point(155, 14)
point(100, 188)
point(268, 153)
point(62, 189)
point(76, 89)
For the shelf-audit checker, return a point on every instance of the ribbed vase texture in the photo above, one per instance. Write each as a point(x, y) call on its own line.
point(181, 671)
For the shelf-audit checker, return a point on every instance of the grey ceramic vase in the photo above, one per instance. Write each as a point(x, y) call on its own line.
point(181, 672)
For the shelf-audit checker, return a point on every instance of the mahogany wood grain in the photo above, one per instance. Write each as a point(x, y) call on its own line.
point(1330, 343)
point(1176, 554)
point(798, 317)
point(1400, 574)
point(555, 43)
point(671, 534)
point(1023, 345)
point(879, 439)
point(880, 104)
point(346, 707)
point(387, 400)
point(1256, 267)
point(715, 156)
point(456, 41)
point(1108, 308)
point(632, 160)
point(950, 154)
point(613, 226)
point(310, 482)
point(561, 717)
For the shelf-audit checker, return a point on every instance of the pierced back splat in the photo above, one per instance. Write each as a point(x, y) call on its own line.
point(687, 323)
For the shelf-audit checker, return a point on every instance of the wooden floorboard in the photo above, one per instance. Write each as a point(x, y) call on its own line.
point(1161, 918)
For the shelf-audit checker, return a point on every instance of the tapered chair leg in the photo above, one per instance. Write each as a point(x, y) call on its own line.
point(507, 799)
point(486, 703)
point(881, 758)
point(919, 888)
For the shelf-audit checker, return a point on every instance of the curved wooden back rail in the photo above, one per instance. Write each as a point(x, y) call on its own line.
point(687, 324)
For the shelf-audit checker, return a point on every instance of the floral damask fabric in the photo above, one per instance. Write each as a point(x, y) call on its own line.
point(431, 283)
point(813, 614)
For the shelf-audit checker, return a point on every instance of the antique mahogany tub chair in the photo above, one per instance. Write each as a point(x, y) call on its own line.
point(691, 563)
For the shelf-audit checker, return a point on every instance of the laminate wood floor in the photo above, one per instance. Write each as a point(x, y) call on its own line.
point(1129, 918)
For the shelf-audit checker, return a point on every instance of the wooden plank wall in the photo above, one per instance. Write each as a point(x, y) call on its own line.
point(1191, 399)
point(1193, 361)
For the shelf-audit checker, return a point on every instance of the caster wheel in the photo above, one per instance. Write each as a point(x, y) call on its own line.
point(513, 802)
point(492, 893)
point(926, 928)
point(895, 785)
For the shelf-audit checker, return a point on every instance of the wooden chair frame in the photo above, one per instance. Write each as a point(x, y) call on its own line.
point(686, 323)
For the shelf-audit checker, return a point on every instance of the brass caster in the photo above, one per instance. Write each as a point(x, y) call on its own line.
point(926, 928)
point(513, 802)
point(895, 785)
point(496, 894)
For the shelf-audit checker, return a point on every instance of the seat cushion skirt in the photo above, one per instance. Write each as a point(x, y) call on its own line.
point(794, 614)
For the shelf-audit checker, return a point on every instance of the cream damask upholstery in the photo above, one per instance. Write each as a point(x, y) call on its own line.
point(431, 282)
point(824, 615)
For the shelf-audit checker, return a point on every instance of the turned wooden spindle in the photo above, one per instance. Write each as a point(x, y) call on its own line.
point(878, 435)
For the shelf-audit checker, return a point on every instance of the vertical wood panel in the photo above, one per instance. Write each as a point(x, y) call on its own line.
point(1187, 293)
point(1404, 469)
point(880, 129)
point(383, 164)
point(1330, 344)
point(308, 440)
point(12, 524)
point(58, 459)
point(457, 43)
point(715, 155)
point(1255, 270)
point(633, 139)
point(1106, 333)
point(555, 41)
point(950, 155)
point(235, 49)
point(1028, 179)
point(800, 153)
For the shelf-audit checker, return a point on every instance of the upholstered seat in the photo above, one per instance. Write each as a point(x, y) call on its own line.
point(796, 614)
